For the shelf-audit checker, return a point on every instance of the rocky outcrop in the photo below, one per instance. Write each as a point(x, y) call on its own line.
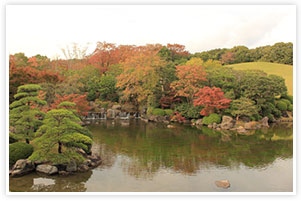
point(241, 130)
point(71, 167)
point(227, 123)
point(22, 167)
point(252, 125)
point(47, 169)
point(222, 183)
point(116, 107)
point(265, 122)
point(170, 126)
point(158, 118)
point(199, 122)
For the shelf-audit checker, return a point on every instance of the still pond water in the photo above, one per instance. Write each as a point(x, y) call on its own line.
point(150, 157)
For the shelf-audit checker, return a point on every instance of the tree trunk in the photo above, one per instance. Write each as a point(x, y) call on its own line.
point(60, 148)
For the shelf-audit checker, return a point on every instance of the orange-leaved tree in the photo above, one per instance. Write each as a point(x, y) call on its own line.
point(211, 99)
point(191, 78)
point(140, 76)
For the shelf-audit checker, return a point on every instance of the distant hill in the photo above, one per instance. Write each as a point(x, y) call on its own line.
point(285, 71)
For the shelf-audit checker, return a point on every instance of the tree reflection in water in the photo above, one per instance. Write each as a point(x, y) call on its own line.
point(149, 148)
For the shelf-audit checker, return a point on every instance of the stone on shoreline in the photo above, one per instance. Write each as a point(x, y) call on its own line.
point(222, 183)
point(22, 167)
point(47, 169)
point(227, 122)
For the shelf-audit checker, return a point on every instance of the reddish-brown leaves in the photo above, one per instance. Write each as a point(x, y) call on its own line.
point(211, 99)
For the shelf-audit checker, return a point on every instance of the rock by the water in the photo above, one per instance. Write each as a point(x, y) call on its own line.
point(210, 126)
point(170, 126)
point(265, 122)
point(241, 130)
point(64, 173)
point(21, 167)
point(227, 122)
point(116, 107)
point(71, 167)
point(47, 169)
point(83, 168)
point(198, 122)
point(251, 125)
point(214, 125)
point(222, 183)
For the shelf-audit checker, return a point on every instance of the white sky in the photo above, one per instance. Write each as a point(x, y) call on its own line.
point(46, 29)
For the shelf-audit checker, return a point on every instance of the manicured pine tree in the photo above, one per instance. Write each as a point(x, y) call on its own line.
point(60, 136)
point(24, 115)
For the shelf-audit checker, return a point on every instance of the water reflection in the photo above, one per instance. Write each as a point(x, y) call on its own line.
point(148, 157)
point(150, 147)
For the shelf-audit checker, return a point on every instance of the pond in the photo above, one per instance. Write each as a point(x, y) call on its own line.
point(150, 157)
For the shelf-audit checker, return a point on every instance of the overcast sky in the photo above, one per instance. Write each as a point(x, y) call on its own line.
point(46, 29)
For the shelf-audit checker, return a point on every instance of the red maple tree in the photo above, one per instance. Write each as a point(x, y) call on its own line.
point(211, 99)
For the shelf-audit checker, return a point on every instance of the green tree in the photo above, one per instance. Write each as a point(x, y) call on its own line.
point(107, 88)
point(243, 107)
point(24, 112)
point(60, 136)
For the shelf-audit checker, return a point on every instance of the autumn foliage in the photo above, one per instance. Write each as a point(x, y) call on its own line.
point(211, 99)
point(82, 105)
point(190, 80)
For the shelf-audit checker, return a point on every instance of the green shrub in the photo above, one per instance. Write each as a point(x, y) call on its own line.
point(288, 97)
point(277, 113)
point(12, 138)
point(267, 108)
point(212, 118)
point(271, 117)
point(281, 105)
point(189, 111)
point(91, 96)
point(256, 117)
point(150, 110)
point(158, 111)
point(168, 112)
point(19, 150)
point(290, 108)
point(286, 101)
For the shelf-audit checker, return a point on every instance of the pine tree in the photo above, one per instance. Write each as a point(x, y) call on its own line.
point(25, 116)
point(60, 136)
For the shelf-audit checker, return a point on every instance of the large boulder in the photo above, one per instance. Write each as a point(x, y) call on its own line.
point(47, 169)
point(222, 183)
point(22, 167)
point(199, 122)
point(252, 125)
point(227, 122)
point(241, 130)
point(265, 122)
point(71, 167)
point(116, 107)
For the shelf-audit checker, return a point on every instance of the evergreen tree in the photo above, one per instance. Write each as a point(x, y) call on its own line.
point(60, 136)
point(25, 115)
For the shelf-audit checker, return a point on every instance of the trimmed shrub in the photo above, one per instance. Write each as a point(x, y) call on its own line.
point(212, 118)
point(271, 118)
point(168, 112)
point(281, 105)
point(290, 108)
point(158, 111)
point(286, 101)
point(91, 96)
point(277, 113)
point(19, 150)
point(189, 111)
point(288, 97)
point(12, 138)
point(256, 117)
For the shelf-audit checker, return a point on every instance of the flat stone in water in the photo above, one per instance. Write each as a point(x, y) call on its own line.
point(222, 183)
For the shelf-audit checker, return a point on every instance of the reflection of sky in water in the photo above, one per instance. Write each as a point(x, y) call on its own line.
point(150, 157)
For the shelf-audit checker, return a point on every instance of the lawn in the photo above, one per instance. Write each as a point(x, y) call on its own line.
point(285, 71)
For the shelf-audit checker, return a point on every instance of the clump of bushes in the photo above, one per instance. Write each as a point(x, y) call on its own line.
point(281, 105)
point(212, 118)
point(19, 150)
point(189, 111)
point(159, 111)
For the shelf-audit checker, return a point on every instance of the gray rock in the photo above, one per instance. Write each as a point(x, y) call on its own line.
point(83, 168)
point(214, 125)
point(264, 122)
point(22, 167)
point(71, 167)
point(222, 183)
point(64, 173)
point(116, 107)
point(47, 169)
point(241, 130)
point(251, 125)
point(199, 122)
point(210, 126)
point(227, 123)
